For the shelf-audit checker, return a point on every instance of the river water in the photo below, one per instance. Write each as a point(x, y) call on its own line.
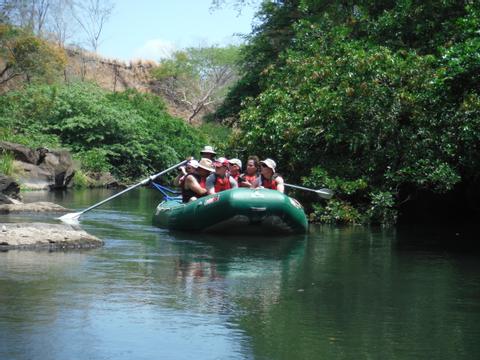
point(336, 293)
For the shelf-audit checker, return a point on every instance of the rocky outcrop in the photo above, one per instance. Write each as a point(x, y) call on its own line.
point(35, 207)
point(41, 235)
point(41, 168)
point(21, 152)
point(9, 190)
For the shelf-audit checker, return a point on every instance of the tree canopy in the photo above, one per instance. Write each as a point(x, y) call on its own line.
point(376, 99)
point(198, 78)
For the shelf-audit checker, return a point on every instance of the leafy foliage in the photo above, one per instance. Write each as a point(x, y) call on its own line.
point(128, 132)
point(6, 163)
point(362, 98)
point(198, 78)
point(23, 54)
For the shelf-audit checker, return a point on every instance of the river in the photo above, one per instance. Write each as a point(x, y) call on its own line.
point(336, 293)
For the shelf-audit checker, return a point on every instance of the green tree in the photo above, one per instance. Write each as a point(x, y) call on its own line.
point(197, 78)
point(130, 133)
point(377, 100)
point(23, 54)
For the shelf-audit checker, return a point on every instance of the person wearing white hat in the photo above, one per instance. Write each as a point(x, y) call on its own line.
point(194, 184)
point(189, 168)
point(235, 167)
point(208, 152)
point(268, 178)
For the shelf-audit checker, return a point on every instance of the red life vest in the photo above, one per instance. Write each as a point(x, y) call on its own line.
point(203, 183)
point(250, 178)
point(222, 184)
point(269, 184)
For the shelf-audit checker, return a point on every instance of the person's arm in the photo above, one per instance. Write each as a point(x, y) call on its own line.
point(178, 179)
point(192, 184)
point(210, 184)
point(233, 182)
point(280, 186)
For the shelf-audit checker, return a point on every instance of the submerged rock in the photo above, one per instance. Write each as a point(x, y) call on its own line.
point(41, 206)
point(42, 235)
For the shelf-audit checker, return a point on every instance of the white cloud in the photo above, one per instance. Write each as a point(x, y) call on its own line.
point(155, 49)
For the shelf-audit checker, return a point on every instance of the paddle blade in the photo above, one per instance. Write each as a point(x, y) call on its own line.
point(71, 218)
point(325, 193)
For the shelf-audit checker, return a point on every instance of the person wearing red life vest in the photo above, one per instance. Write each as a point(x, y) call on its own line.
point(194, 185)
point(251, 172)
point(220, 180)
point(268, 179)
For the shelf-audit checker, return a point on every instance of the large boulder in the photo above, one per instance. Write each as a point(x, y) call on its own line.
point(21, 152)
point(41, 168)
point(60, 164)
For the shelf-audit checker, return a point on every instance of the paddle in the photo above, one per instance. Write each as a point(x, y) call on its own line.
point(72, 217)
point(323, 193)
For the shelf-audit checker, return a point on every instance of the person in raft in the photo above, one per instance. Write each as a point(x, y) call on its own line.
point(208, 153)
point(235, 167)
point(251, 172)
point(220, 180)
point(189, 168)
point(268, 178)
point(194, 184)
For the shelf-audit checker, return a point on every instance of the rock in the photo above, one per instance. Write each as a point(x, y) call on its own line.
point(9, 188)
point(55, 171)
point(34, 177)
point(4, 199)
point(20, 152)
point(59, 163)
point(41, 206)
point(51, 236)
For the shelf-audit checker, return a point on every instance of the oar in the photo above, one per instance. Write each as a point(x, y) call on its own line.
point(323, 193)
point(74, 216)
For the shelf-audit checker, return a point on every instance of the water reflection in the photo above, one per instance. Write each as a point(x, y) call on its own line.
point(149, 293)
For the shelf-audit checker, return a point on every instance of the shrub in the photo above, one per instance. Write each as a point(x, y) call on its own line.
point(6, 163)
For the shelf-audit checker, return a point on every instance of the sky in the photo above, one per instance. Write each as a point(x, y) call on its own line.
point(152, 29)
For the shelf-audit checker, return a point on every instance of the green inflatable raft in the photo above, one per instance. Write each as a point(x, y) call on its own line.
point(235, 211)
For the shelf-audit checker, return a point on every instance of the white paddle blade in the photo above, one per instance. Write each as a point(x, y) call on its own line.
point(71, 218)
point(325, 193)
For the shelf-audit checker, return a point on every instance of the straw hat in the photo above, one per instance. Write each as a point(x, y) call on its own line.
point(206, 164)
point(208, 150)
